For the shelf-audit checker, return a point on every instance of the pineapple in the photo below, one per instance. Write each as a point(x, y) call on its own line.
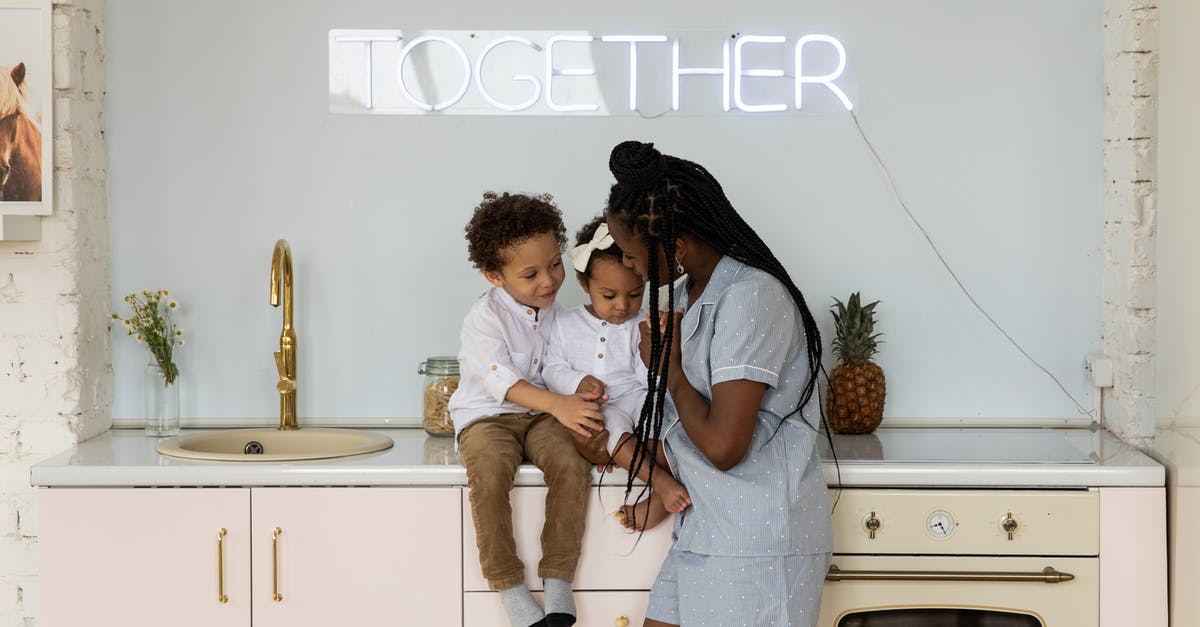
point(857, 386)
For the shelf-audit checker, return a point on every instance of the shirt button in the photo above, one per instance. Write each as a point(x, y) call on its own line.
point(603, 324)
point(600, 356)
point(529, 311)
point(535, 361)
point(535, 327)
point(601, 339)
point(493, 366)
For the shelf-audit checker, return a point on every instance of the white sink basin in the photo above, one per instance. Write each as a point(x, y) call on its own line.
point(272, 445)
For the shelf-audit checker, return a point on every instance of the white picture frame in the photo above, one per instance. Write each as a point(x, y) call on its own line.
point(26, 102)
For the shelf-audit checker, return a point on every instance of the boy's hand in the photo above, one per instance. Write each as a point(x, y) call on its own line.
point(592, 386)
point(580, 413)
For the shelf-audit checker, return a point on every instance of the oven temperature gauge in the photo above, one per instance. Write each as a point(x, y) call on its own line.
point(940, 524)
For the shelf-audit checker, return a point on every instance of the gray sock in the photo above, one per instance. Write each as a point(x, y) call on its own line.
point(558, 597)
point(523, 610)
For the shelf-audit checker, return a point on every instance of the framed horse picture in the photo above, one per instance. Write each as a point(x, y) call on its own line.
point(26, 119)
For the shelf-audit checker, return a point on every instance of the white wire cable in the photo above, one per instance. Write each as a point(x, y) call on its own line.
point(953, 275)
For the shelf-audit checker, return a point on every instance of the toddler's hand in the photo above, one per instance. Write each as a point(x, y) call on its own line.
point(580, 413)
point(592, 387)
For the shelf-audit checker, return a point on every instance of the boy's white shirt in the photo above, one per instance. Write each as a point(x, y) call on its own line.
point(582, 344)
point(502, 342)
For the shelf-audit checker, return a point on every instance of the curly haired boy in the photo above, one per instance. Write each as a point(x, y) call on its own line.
point(503, 413)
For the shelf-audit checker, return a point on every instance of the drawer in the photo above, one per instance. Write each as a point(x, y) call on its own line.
point(1048, 522)
point(595, 609)
point(612, 558)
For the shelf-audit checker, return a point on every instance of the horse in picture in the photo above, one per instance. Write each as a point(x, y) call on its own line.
point(20, 140)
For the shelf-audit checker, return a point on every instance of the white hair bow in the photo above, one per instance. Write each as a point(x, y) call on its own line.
point(581, 254)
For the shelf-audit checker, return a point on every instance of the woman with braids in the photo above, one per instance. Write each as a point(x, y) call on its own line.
point(734, 403)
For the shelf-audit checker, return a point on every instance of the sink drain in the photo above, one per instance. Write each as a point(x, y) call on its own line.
point(253, 448)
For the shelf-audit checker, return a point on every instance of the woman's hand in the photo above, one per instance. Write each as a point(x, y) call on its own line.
point(594, 449)
point(579, 412)
point(673, 352)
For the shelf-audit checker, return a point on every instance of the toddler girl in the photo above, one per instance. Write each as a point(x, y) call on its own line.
point(594, 350)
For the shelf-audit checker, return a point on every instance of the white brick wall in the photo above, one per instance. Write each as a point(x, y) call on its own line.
point(55, 366)
point(1130, 166)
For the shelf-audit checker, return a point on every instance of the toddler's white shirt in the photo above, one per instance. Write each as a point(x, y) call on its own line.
point(582, 344)
point(502, 342)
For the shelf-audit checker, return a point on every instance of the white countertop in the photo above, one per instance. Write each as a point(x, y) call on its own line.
point(890, 457)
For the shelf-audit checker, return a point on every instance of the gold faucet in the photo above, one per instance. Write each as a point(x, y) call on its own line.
point(285, 357)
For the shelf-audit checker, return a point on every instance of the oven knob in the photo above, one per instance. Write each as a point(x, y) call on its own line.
point(872, 524)
point(1009, 524)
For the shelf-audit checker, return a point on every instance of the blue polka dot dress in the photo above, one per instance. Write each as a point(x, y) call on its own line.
point(753, 548)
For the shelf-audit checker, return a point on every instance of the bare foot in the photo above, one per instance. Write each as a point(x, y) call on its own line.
point(674, 496)
point(645, 514)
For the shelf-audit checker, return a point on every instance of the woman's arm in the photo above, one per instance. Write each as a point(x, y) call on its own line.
point(722, 430)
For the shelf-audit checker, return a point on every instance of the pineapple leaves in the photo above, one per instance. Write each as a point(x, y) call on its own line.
point(855, 340)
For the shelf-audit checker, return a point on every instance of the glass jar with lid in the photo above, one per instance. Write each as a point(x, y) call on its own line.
point(441, 379)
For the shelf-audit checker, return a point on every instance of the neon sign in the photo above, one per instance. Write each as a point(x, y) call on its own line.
point(580, 73)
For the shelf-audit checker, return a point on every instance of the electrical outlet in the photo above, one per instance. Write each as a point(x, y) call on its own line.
point(1099, 370)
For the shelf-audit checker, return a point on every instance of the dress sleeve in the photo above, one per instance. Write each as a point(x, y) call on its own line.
point(483, 353)
point(559, 376)
point(754, 327)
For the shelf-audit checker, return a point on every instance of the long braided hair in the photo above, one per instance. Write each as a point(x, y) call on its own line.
point(659, 197)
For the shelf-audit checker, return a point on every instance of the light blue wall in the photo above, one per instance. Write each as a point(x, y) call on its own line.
point(988, 115)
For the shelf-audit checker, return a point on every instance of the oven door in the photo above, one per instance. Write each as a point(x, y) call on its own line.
point(957, 591)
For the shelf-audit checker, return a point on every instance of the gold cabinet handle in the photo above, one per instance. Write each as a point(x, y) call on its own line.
point(221, 597)
point(275, 564)
point(621, 622)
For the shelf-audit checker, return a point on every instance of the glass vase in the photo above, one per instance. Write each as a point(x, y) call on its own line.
point(162, 403)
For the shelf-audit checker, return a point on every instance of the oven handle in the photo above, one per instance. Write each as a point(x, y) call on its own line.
point(1047, 575)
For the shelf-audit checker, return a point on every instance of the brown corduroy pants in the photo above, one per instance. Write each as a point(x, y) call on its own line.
point(491, 449)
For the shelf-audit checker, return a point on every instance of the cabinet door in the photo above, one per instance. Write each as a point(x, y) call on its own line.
point(612, 558)
point(143, 557)
point(357, 556)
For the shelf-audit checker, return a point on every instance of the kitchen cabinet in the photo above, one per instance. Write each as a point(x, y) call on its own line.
point(616, 567)
point(357, 556)
point(612, 557)
point(289, 556)
point(116, 555)
point(136, 557)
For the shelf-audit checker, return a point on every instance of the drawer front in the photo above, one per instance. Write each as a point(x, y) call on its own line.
point(595, 609)
point(612, 558)
point(1047, 522)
